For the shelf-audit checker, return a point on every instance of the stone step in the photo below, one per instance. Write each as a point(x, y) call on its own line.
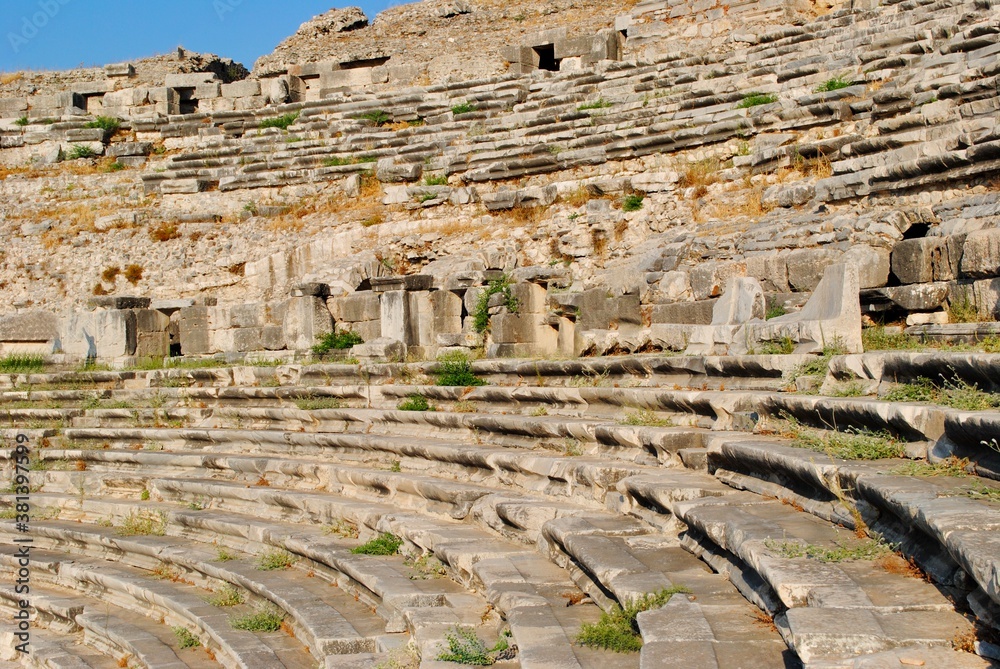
point(314, 616)
point(173, 602)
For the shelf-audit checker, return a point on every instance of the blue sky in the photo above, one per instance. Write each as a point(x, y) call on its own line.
point(61, 34)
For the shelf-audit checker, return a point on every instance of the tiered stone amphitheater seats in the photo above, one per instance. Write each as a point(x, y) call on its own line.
point(927, 90)
point(532, 492)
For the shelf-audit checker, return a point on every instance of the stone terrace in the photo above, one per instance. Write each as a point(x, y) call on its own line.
point(532, 502)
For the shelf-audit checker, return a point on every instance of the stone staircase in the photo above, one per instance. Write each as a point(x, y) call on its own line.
point(557, 491)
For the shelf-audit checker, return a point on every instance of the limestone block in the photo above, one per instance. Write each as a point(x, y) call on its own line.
point(447, 308)
point(521, 329)
point(981, 257)
point(420, 324)
point(248, 315)
point(503, 199)
point(872, 265)
point(12, 106)
point(531, 298)
point(670, 287)
point(600, 311)
point(119, 70)
point(272, 338)
point(395, 313)
point(152, 344)
point(742, 302)
point(388, 170)
point(539, 196)
point(684, 313)
point(190, 80)
point(918, 297)
point(306, 319)
point(29, 326)
point(367, 330)
point(194, 332)
point(806, 267)
point(275, 91)
point(925, 259)
point(130, 149)
point(771, 270)
point(655, 182)
point(206, 91)
point(241, 89)
point(105, 334)
point(382, 348)
point(248, 339)
point(355, 308)
point(987, 297)
point(788, 196)
point(832, 316)
point(709, 278)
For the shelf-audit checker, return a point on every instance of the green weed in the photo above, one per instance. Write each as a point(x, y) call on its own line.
point(870, 549)
point(481, 315)
point(266, 618)
point(143, 523)
point(439, 180)
point(463, 108)
point(632, 202)
point(955, 393)
point(337, 341)
point(644, 417)
point(834, 84)
point(228, 595)
point(108, 124)
point(275, 559)
point(21, 364)
point(617, 629)
point(849, 445)
point(599, 103)
point(384, 544)
point(455, 369)
point(464, 647)
point(318, 403)
point(283, 121)
point(80, 151)
point(377, 118)
point(755, 99)
point(414, 403)
point(185, 639)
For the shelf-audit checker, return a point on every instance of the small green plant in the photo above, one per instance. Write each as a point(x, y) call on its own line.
point(617, 629)
point(337, 341)
point(755, 99)
point(185, 639)
point(114, 167)
point(955, 393)
point(952, 467)
point(108, 124)
point(963, 310)
point(283, 121)
point(427, 197)
point(228, 595)
point(464, 647)
point(384, 544)
point(783, 346)
point(144, 495)
point(342, 528)
point(143, 523)
point(81, 151)
point(414, 403)
point(22, 121)
point(21, 364)
point(819, 366)
point(455, 369)
point(319, 403)
point(438, 180)
point(396, 466)
point(870, 549)
point(632, 202)
point(983, 492)
point(481, 315)
point(223, 555)
point(424, 566)
point(644, 417)
point(463, 108)
point(378, 117)
point(834, 84)
point(879, 339)
point(265, 618)
point(274, 559)
point(849, 445)
point(599, 103)
point(774, 311)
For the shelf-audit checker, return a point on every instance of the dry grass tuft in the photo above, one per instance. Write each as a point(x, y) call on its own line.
point(10, 77)
point(577, 198)
point(700, 175)
point(523, 216)
point(897, 564)
point(164, 232)
point(133, 274)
